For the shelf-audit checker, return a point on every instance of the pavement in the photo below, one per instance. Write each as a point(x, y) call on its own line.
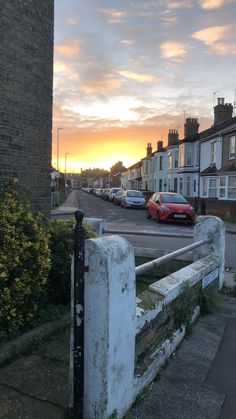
point(199, 382)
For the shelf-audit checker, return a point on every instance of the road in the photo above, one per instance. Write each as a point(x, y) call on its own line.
point(118, 218)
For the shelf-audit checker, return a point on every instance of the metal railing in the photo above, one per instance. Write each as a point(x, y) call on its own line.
point(139, 270)
point(147, 233)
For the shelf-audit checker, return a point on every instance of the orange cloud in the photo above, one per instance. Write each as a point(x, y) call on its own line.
point(106, 83)
point(127, 41)
point(211, 4)
point(173, 49)
point(217, 38)
point(63, 69)
point(114, 16)
point(142, 78)
point(71, 49)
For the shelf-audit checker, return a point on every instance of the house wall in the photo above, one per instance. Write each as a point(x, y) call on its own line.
point(225, 151)
point(159, 174)
point(26, 56)
point(205, 153)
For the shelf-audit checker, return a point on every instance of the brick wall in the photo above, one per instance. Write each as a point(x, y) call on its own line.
point(26, 74)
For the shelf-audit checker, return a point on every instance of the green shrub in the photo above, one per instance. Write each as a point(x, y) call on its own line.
point(209, 299)
point(24, 260)
point(61, 246)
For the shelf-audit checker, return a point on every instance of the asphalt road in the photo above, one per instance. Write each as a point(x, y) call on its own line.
point(135, 220)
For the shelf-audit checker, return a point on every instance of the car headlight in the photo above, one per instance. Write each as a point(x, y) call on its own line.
point(165, 208)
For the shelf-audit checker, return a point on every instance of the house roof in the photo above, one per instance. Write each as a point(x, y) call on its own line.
point(229, 167)
point(217, 129)
point(211, 170)
point(190, 139)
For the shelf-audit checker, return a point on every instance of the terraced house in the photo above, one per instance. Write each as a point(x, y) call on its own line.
point(218, 162)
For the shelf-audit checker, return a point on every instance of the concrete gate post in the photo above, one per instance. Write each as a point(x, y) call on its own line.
point(211, 227)
point(110, 321)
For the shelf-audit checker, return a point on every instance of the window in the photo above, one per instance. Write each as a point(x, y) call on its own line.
point(189, 156)
point(170, 161)
point(213, 152)
point(232, 147)
point(232, 187)
point(181, 185)
point(204, 186)
point(160, 185)
point(154, 164)
point(176, 158)
point(181, 155)
point(222, 186)
point(188, 186)
point(161, 163)
point(212, 188)
point(194, 185)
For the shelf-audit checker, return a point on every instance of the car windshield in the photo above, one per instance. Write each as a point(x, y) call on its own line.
point(173, 199)
point(136, 194)
point(119, 193)
point(114, 190)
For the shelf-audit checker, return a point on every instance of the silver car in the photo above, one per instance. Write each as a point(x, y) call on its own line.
point(133, 199)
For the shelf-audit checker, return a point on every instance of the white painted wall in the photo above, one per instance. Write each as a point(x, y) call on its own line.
point(205, 153)
point(159, 174)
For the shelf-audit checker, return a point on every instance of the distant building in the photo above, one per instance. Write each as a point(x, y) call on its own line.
point(188, 167)
point(173, 160)
point(26, 56)
point(159, 166)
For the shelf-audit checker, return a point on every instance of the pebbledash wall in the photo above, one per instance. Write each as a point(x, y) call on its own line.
point(128, 339)
point(26, 78)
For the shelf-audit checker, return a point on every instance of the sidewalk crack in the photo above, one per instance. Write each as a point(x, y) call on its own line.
point(31, 396)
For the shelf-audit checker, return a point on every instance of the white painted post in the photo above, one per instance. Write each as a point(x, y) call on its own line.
point(110, 320)
point(207, 227)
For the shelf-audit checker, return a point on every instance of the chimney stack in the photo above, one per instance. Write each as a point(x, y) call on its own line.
point(149, 149)
point(173, 137)
point(222, 111)
point(159, 145)
point(191, 127)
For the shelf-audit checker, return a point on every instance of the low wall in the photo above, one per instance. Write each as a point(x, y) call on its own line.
point(127, 339)
point(211, 206)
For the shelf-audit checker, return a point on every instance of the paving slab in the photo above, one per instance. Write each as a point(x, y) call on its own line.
point(14, 405)
point(56, 348)
point(37, 377)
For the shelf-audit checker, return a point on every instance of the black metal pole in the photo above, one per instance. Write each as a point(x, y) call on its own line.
point(78, 349)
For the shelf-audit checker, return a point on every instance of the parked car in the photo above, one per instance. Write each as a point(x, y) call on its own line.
point(133, 199)
point(112, 192)
point(118, 197)
point(105, 194)
point(170, 206)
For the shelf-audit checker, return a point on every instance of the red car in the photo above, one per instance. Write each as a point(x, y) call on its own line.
point(169, 206)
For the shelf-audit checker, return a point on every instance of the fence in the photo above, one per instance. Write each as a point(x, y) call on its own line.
point(127, 339)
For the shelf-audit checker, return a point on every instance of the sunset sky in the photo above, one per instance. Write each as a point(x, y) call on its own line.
point(125, 72)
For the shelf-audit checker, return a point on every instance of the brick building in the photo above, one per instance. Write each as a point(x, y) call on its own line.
point(26, 77)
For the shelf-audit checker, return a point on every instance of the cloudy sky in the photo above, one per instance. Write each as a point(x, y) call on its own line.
point(125, 72)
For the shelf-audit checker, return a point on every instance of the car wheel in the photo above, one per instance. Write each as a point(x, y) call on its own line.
point(147, 213)
point(158, 217)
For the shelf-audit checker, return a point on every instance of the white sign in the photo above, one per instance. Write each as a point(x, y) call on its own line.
point(210, 277)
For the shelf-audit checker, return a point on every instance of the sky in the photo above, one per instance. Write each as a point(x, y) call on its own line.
point(125, 72)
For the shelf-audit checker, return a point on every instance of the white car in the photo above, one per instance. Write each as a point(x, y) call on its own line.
point(133, 199)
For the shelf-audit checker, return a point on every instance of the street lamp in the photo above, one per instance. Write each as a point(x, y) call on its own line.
point(58, 135)
point(66, 154)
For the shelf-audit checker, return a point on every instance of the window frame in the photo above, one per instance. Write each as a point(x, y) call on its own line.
point(232, 146)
